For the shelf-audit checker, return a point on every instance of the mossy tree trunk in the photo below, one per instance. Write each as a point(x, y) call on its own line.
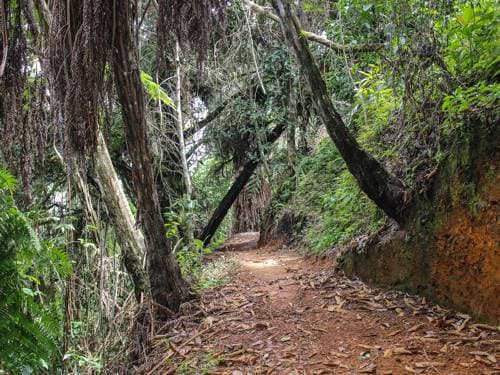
point(129, 237)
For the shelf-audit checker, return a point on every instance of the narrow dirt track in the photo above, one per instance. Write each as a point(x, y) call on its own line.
point(283, 314)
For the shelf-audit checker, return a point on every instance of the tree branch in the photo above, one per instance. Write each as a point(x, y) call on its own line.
point(366, 47)
point(207, 120)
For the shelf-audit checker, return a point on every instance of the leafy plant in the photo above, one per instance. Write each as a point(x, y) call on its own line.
point(30, 314)
point(330, 198)
point(473, 51)
point(155, 90)
point(479, 96)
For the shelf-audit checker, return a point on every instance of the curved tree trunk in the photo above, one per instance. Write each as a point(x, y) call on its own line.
point(387, 191)
point(129, 237)
point(168, 288)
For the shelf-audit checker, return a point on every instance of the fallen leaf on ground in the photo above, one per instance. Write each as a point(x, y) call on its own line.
point(486, 326)
point(416, 327)
point(414, 371)
point(429, 364)
point(369, 369)
point(394, 333)
point(401, 351)
point(341, 355)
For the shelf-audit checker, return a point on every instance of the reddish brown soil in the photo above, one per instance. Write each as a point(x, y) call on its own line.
point(467, 257)
point(283, 314)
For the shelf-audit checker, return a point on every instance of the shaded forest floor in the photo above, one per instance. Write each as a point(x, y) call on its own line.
point(283, 314)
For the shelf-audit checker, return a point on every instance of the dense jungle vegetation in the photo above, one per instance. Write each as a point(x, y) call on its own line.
point(137, 136)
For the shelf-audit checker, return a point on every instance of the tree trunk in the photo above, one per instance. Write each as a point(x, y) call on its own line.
point(235, 189)
point(228, 200)
point(291, 149)
point(5, 40)
point(168, 288)
point(252, 199)
point(387, 191)
point(182, 146)
point(129, 237)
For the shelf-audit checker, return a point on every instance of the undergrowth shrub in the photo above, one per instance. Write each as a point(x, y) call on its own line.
point(31, 274)
point(473, 56)
point(330, 198)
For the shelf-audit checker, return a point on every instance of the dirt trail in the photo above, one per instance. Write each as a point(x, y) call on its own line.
point(283, 314)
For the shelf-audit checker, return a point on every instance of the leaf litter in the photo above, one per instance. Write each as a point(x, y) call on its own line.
point(316, 321)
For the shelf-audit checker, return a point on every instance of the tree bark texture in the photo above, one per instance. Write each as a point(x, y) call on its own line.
point(235, 189)
point(168, 288)
point(129, 237)
point(387, 191)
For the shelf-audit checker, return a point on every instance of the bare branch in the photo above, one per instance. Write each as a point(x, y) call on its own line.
point(366, 47)
point(210, 117)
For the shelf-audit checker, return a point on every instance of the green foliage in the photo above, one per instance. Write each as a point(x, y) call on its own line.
point(155, 90)
point(201, 365)
point(376, 103)
point(211, 184)
point(346, 213)
point(478, 97)
point(83, 361)
point(212, 180)
point(248, 118)
point(473, 50)
point(30, 267)
point(472, 54)
point(215, 273)
point(329, 196)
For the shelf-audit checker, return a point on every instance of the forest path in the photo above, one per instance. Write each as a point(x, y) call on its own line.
point(283, 314)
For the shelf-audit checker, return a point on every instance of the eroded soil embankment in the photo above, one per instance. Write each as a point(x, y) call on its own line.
point(453, 259)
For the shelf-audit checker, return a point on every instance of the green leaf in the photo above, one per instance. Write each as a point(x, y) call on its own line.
point(155, 91)
point(29, 292)
point(467, 16)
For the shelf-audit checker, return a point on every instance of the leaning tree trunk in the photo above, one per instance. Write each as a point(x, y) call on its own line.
point(387, 191)
point(235, 189)
point(228, 200)
point(129, 237)
point(168, 288)
point(250, 202)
